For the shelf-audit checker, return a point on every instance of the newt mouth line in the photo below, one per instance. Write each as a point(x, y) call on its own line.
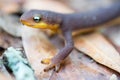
point(26, 23)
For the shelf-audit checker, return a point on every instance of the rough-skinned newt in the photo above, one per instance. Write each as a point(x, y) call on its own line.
point(69, 22)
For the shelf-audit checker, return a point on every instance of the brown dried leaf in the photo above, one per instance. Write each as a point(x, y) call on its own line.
point(81, 67)
point(37, 47)
point(97, 47)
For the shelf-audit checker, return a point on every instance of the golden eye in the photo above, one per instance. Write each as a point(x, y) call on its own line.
point(37, 19)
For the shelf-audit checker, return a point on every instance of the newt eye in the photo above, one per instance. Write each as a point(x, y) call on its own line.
point(37, 19)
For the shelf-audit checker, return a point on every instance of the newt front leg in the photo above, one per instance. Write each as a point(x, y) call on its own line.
point(59, 58)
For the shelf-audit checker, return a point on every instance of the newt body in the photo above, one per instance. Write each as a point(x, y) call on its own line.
point(68, 23)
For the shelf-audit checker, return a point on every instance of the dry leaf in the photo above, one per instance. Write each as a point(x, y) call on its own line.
point(37, 47)
point(97, 47)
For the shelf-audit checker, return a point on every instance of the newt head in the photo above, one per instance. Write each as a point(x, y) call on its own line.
point(41, 19)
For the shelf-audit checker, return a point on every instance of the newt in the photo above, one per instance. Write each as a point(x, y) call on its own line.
point(67, 23)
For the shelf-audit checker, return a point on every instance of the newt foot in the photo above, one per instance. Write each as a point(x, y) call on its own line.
point(50, 66)
point(46, 61)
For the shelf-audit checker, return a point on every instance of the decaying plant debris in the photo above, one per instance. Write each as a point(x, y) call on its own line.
point(95, 56)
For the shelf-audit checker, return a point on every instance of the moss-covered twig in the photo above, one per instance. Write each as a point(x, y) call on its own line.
point(20, 67)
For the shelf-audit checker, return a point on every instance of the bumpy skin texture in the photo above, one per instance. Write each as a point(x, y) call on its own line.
point(69, 22)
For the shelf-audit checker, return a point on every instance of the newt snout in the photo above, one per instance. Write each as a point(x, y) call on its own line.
point(39, 20)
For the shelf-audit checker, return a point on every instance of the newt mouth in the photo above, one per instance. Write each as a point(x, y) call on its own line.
point(25, 23)
point(41, 25)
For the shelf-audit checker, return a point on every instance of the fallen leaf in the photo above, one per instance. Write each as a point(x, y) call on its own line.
point(98, 48)
point(37, 47)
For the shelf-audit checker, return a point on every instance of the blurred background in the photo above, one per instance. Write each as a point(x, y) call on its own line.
point(104, 41)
